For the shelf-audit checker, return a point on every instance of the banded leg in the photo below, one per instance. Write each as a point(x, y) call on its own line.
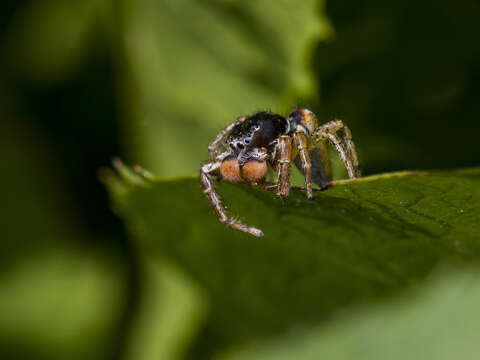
point(350, 146)
point(208, 187)
point(213, 147)
point(344, 146)
point(301, 143)
point(284, 153)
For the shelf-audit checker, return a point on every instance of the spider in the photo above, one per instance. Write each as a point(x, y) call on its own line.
point(245, 149)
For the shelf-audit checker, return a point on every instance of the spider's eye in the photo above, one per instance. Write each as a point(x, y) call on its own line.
point(248, 137)
point(240, 146)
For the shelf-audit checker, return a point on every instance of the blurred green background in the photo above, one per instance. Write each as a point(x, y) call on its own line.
point(153, 82)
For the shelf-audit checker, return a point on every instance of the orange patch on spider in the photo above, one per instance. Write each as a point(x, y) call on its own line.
point(254, 171)
point(309, 119)
point(230, 170)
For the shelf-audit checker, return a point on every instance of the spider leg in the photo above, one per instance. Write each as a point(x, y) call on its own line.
point(208, 187)
point(321, 171)
point(349, 145)
point(299, 188)
point(216, 145)
point(301, 143)
point(336, 142)
point(344, 145)
point(284, 154)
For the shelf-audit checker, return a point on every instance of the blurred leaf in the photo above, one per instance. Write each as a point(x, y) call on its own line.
point(35, 214)
point(58, 299)
point(195, 66)
point(170, 312)
point(48, 38)
point(438, 322)
point(60, 303)
point(356, 242)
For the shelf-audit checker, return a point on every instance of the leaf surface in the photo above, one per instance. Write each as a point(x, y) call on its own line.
point(438, 322)
point(195, 66)
point(357, 242)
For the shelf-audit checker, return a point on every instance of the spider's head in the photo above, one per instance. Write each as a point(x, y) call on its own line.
point(302, 120)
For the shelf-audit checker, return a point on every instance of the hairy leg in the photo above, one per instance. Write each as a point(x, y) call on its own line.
point(214, 148)
point(320, 164)
point(350, 147)
point(208, 187)
point(301, 143)
point(284, 149)
point(343, 145)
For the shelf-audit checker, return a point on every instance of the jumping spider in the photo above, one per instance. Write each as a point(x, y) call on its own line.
point(245, 148)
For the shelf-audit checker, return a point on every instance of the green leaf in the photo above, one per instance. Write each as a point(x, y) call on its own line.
point(359, 241)
point(437, 322)
point(169, 313)
point(61, 303)
point(195, 66)
point(50, 37)
point(61, 294)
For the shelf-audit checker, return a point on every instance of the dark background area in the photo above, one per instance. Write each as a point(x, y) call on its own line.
point(405, 75)
point(406, 72)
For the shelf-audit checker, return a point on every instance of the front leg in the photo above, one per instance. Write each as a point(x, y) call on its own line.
point(344, 146)
point(208, 187)
point(301, 143)
point(284, 149)
point(349, 145)
point(215, 147)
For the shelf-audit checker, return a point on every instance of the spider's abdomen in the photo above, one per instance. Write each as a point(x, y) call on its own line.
point(254, 171)
point(230, 170)
point(258, 130)
point(251, 171)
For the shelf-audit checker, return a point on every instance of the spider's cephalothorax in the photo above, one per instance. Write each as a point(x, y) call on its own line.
point(245, 150)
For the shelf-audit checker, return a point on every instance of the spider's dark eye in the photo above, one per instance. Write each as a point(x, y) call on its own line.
point(247, 141)
point(240, 145)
